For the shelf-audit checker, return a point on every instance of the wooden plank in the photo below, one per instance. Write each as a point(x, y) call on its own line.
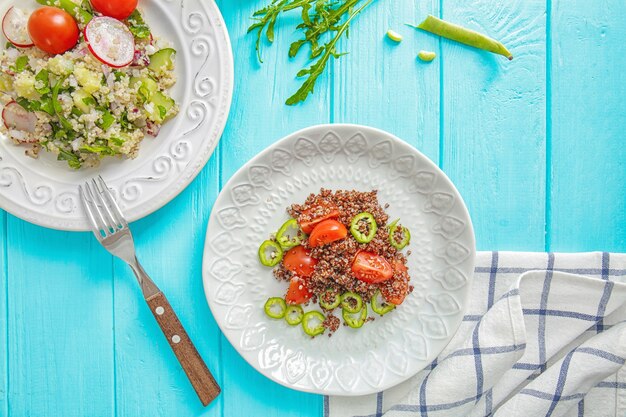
point(382, 84)
point(588, 121)
point(169, 243)
point(4, 381)
point(60, 341)
point(258, 118)
point(494, 121)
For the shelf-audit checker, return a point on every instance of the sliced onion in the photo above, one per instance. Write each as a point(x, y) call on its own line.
point(18, 118)
point(15, 27)
point(110, 41)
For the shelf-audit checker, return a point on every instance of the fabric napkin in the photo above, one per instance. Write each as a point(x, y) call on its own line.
point(544, 335)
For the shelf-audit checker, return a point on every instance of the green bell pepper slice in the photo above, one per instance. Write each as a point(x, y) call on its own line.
point(356, 223)
point(312, 323)
point(351, 302)
point(275, 307)
point(294, 315)
point(406, 235)
point(290, 235)
point(379, 305)
point(330, 300)
point(355, 320)
point(270, 253)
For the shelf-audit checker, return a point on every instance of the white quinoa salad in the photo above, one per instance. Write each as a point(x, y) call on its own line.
point(98, 98)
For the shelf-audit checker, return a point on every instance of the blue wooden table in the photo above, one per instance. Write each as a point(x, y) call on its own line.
point(536, 146)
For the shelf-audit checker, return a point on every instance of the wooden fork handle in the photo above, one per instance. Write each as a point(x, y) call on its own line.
point(187, 354)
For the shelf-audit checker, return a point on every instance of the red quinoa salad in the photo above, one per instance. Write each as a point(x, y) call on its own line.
point(337, 252)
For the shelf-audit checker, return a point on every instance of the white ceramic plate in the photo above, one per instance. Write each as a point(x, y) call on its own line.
point(386, 351)
point(44, 191)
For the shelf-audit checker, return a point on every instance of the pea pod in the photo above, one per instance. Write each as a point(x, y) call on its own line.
point(309, 323)
point(351, 302)
point(330, 300)
point(463, 35)
point(270, 253)
point(406, 235)
point(289, 235)
point(355, 320)
point(293, 315)
point(275, 307)
point(372, 227)
point(379, 305)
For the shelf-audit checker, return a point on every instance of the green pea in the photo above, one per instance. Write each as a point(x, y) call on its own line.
point(394, 36)
point(426, 56)
point(463, 35)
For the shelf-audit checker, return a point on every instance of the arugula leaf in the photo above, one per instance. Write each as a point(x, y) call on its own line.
point(117, 141)
point(138, 26)
point(315, 70)
point(321, 26)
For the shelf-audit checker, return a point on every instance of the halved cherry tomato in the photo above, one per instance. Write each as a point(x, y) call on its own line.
point(398, 266)
point(326, 232)
point(371, 268)
point(119, 9)
point(52, 30)
point(297, 293)
point(308, 226)
point(395, 292)
point(299, 261)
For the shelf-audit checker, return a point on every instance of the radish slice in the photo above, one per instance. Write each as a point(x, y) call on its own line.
point(15, 27)
point(110, 41)
point(18, 118)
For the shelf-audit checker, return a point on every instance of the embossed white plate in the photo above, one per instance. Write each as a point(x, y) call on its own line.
point(44, 191)
point(386, 351)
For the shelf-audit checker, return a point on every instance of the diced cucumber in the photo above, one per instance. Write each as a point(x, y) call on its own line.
point(147, 88)
point(82, 100)
point(161, 107)
point(162, 59)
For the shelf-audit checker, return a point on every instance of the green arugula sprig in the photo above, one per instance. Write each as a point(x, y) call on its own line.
point(321, 26)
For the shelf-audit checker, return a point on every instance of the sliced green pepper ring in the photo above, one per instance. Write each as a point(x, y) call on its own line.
point(275, 307)
point(312, 323)
point(290, 235)
point(379, 305)
point(293, 315)
point(330, 300)
point(355, 320)
point(406, 235)
point(270, 253)
point(351, 302)
point(355, 224)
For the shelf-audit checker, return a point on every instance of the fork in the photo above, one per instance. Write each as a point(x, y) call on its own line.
point(112, 231)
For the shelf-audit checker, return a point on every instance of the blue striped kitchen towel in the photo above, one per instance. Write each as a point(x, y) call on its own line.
point(544, 335)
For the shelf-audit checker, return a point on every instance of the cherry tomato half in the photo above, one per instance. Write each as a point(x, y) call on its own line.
point(118, 9)
point(308, 226)
point(395, 290)
point(326, 232)
point(299, 261)
point(297, 293)
point(53, 30)
point(371, 268)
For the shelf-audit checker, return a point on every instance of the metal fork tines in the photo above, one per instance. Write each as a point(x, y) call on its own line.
point(111, 229)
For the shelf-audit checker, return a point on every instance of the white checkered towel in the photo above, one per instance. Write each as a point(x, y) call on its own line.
point(549, 342)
